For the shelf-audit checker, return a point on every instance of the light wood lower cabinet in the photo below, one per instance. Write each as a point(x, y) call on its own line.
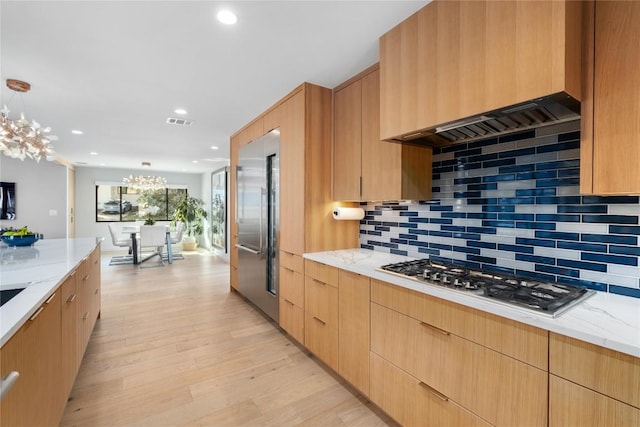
point(291, 313)
point(573, 405)
point(321, 316)
point(496, 387)
point(591, 385)
point(411, 402)
point(34, 351)
point(47, 350)
point(70, 331)
point(353, 329)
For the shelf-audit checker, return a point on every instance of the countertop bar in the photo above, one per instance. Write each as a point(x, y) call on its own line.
point(608, 320)
point(40, 269)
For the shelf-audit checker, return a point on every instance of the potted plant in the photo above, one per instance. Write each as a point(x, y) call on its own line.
point(191, 212)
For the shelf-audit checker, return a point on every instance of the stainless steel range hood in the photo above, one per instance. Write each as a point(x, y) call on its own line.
point(551, 109)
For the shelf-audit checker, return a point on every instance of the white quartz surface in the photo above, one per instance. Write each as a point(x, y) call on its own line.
point(608, 320)
point(39, 269)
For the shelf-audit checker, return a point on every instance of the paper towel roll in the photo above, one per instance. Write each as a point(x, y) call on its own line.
point(348, 213)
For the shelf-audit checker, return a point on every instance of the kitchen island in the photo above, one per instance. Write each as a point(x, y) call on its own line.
point(45, 328)
point(39, 269)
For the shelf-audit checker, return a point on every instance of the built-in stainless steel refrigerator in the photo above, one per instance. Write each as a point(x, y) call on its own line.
point(257, 215)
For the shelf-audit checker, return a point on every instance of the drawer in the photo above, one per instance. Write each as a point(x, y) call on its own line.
point(321, 300)
point(486, 382)
point(606, 371)
point(292, 286)
point(410, 402)
point(573, 405)
point(94, 257)
point(291, 319)
point(321, 338)
point(292, 261)
point(233, 277)
point(322, 272)
point(515, 339)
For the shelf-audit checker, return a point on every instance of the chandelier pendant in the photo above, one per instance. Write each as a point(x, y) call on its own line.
point(145, 183)
point(19, 138)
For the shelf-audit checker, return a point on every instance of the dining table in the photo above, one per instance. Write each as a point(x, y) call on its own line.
point(134, 230)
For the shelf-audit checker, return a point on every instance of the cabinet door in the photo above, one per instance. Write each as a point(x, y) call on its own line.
point(69, 315)
point(616, 98)
point(15, 404)
point(321, 321)
point(292, 175)
point(84, 306)
point(291, 319)
point(353, 329)
point(347, 136)
point(574, 405)
point(502, 390)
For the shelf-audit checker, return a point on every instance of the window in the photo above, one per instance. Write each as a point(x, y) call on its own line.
point(115, 203)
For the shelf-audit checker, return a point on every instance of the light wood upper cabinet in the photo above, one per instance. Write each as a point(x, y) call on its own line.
point(452, 60)
point(610, 127)
point(364, 167)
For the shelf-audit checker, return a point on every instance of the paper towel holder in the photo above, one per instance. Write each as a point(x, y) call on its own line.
point(343, 213)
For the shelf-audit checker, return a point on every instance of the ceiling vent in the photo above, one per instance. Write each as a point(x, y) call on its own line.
point(180, 122)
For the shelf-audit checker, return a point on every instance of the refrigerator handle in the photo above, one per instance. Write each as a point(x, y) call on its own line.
point(244, 248)
point(263, 193)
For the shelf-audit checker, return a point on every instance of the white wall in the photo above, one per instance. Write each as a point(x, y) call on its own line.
point(86, 178)
point(41, 195)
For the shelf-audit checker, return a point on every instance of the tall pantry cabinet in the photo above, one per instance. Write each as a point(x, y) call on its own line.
point(306, 222)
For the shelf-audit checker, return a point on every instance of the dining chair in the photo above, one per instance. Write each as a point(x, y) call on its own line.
point(118, 240)
point(152, 236)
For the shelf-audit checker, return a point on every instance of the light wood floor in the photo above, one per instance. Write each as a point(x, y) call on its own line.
point(175, 347)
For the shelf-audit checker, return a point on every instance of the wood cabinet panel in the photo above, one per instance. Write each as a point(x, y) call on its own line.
point(353, 329)
point(292, 286)
point(506, 336)
point(321, 321)
point(498, 388)
point(606, 371)
point(574, 405)
point(366, 168)
point(16, 403)
point(614, 152)
point(292, 261)
point(321, 272)
point(408, 401)
point(347, 137)
point(452, 60)
point(291, 319)
point(69, 332)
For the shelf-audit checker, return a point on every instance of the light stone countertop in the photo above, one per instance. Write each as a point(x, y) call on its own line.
point(608, 320)
point(40, 269)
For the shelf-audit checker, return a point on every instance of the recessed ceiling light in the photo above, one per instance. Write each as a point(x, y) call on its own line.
point(214, 147)
point(180, 111)
point(227, 17)
point(194, 161)
point(93, 153)
point(77, 132)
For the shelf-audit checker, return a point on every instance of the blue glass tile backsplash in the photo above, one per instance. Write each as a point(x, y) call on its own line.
point(512, 204)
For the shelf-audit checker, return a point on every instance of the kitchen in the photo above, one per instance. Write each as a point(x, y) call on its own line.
point(507, 204)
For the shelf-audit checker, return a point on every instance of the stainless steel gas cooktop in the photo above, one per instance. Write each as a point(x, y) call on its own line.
point(547, 298)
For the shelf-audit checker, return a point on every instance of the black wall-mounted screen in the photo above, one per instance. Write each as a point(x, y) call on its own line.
point(8, 200)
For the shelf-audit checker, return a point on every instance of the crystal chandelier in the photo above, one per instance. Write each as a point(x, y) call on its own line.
point(20, 139)
point(145, 183)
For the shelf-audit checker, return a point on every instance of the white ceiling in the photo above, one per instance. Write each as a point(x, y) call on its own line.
point(117, 69)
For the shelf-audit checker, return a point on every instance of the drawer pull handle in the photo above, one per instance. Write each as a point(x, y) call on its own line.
point(290, 270)
point(32, 318)
point(73, 273)
point(86, 316)
point(96, 291)
point(7, 381)
point(72, 298)
point(321, 321)
point(441, 331)
point(319, 282)
point(85, 278)
point(433, 391)
point(50, 298)
point(289, 302)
